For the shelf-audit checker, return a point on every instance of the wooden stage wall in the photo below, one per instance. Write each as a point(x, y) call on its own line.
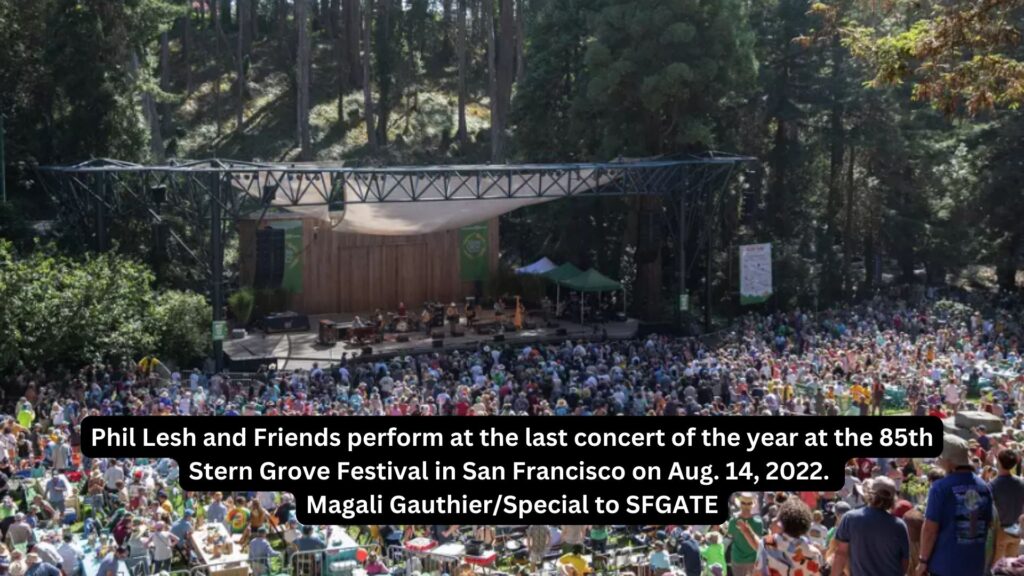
point(360, 273)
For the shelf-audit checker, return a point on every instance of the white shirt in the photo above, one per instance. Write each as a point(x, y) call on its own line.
point(162, 548)
point(112, 476)
point(70, 554)
point(952, 393)
point(48, 552)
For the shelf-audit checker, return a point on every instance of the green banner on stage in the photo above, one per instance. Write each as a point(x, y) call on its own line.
point(473, 252)
point(293, 248)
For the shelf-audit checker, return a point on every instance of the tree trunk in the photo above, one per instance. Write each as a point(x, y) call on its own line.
point(831, 277)
point(254, 19)
point(202, 11)
point(186, 47)
point(225, 14)
point(371, 134)
point(353, 26)
point(222, 47)
point(338, 46)
point(156, 141)
point(325, 14)
point(241, 64)
point(302, 71)
point(1006, 266)
point(848, 236)
point(520, 61)
point(479, 30)
point(385, 65)
point(460, 39)
point(214, 14)
point(492, 73)
point(505, 66)
point(165, 78)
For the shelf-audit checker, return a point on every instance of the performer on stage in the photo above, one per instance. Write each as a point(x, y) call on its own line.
point(425, 318)
point(470, 312)
point(453, 317)
point(401, 309)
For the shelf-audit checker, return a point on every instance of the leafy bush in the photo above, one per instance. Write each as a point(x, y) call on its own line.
point(61, 310)
point(181, 322)
point(241, 304)
point(58, 309)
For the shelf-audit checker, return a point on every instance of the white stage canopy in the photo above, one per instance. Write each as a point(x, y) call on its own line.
point(539, 267)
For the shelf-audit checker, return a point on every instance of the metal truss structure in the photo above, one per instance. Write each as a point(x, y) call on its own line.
point(181, 208)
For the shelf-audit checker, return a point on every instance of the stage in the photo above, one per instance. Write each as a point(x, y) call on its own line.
point(301, 349)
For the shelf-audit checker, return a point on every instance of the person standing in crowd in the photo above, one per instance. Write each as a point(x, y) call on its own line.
point(1008, 493)
point(659, 560)
point(36, 566)
point(599, 538)
point(260, 553)
point(538, 542)
point(573, 563)
point(71, 555)
point(163, 542)
point(789, 551)
point(182, 531)
point(572, 534)
point(689, 550)
point(217, 511)
point(870, 540)
point(958, 517)
point(745, 529)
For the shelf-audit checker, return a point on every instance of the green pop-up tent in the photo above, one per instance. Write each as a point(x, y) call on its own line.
point(560, 275)
point(593, 281)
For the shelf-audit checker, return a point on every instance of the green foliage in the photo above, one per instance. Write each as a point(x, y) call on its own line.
point(57, 309)
point(181, 322)
point(660, 73)
point(241, 304)
point(70, 311)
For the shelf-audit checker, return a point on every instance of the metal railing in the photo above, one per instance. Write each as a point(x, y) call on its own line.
point(212, 567)
point(328, 561)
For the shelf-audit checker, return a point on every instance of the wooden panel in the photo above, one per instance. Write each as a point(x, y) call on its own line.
point(358, 273)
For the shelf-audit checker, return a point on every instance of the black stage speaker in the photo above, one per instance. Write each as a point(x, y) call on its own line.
point(561, 332)
point(438, 342)
point(402, 338)
point(367, 350)
point(269, 258)
point(499, 337)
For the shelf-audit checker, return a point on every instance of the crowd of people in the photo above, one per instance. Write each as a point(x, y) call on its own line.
point(957, 515)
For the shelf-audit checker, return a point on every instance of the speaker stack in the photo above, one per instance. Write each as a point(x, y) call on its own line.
point(269, 258)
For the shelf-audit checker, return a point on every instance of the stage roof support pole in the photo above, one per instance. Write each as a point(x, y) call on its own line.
point(710, 230)
point(216, 265)
point(98, 200)
point(681, 258)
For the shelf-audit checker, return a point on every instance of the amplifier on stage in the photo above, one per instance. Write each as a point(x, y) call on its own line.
point(328, 333)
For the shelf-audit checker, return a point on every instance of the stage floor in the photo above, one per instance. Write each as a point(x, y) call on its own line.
point(301, 349)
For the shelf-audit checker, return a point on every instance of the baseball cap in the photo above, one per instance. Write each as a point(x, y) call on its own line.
point(955, 451)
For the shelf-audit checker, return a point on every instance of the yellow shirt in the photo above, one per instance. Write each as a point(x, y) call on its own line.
point(859, 393)
point(577, 562)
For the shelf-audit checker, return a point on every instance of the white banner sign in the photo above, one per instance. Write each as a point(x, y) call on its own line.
point(755, 273)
